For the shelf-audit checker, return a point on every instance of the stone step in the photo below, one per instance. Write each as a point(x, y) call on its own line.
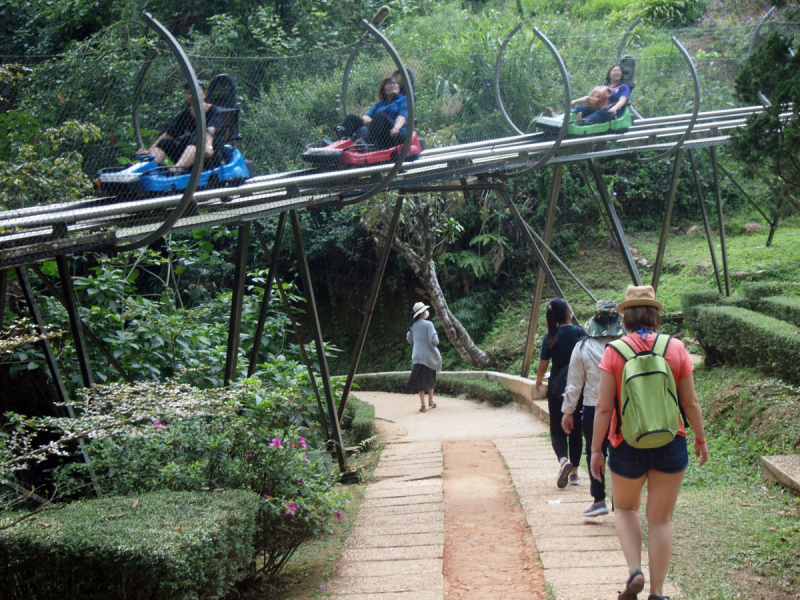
point(784, 469)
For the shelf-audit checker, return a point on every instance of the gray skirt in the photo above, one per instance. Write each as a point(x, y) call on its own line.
point(422, 379)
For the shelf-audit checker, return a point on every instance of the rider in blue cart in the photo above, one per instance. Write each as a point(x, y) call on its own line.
point(178, 141)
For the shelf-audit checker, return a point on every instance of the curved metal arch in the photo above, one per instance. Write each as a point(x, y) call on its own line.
point(695, 111)
point(752, 46)
point(200, 138)
point(624, 40)
point(562, 133)
point(379, 18)
point(384, 183)
point(137, 94)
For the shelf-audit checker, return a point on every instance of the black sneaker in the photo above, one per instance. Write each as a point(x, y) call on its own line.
point(596, 510)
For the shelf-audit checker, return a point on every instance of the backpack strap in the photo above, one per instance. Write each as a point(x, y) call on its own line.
point(623, 348)
point(661, 344)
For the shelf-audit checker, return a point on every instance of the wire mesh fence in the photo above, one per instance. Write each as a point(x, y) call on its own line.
point(72, 117)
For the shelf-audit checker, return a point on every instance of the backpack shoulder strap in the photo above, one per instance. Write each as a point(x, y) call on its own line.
point(661, 344)
point(623, 348)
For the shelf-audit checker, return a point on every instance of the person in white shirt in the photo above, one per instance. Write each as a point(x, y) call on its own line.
point(584, 380)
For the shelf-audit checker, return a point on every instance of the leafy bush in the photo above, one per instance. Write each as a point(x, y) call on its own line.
point(159, 545)
point(481, 389)
point(785, 308)
point(740, 336)
point(755, 291)
point(358, 421)
point(691, 301)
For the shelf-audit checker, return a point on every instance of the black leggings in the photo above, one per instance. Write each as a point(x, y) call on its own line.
point(376, 133)
point(598, 487)
point(570, 445)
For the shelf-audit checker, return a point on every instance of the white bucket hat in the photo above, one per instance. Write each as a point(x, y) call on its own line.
point(418, 308)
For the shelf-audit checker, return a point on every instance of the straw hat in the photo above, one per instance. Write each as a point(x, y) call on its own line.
point(418, 308)
point(639, 295)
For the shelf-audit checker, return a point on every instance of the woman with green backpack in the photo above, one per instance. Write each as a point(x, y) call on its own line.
point(646, 395)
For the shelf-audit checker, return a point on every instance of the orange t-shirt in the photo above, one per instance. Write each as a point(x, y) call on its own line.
point(677, 358)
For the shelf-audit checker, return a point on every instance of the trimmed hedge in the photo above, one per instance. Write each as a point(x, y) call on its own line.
point(358, 420)
point(785, 308)
point(477, 388)
point(176, 545)
point(737, 335)
point(755, 291)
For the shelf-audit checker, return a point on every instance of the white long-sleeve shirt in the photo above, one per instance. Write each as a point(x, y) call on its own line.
point(584, 373)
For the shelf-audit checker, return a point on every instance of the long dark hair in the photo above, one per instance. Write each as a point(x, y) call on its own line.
point(557, 310)
point(415, 319)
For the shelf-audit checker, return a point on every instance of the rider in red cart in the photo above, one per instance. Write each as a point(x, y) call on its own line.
point(384, 124)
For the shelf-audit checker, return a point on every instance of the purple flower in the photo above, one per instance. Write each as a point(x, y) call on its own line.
point(302, 443)
point(291, 509)
point(276, 443)
point(338, 515)
point(302, 481)
point(266, 496)
point(158, 424)
point(322, 586)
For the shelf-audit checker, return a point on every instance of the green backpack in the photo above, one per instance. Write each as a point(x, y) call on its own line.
point(648, 413)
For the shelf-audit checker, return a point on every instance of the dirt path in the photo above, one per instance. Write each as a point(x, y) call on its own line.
point(488, 550)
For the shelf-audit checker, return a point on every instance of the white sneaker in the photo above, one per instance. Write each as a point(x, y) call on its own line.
point(596, 510)
point(563, 473)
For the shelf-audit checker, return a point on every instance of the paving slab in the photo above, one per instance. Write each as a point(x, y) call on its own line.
point(408, 582)
point(394, 541)
point(399, 528)
point(403, 500)
point(421, 595)
point(373, 554)
point(402, 510)
point(384, 520)
point(595, 543)
point(384, 568)
point(434, 486)
point(395, 484)
point(784, 469)
point(607, 558)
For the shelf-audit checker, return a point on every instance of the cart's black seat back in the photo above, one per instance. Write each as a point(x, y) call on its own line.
point(221, 93)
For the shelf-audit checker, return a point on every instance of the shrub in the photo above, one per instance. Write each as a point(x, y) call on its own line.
point(691, 301)
point(358, 421)
point(755, 291)
point(159, 545)
point(479, 388)
point(785, 308)
point(737, 335)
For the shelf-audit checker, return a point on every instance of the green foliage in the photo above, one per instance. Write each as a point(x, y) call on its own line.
point(739, 336)
point(478, 388)
point(672, 13)
point(756, 291)
point(785, 308)
point(358, 421)
point(157, 545)
point(691, 301)
point(771, 138)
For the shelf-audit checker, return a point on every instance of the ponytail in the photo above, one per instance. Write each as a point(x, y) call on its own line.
point(556, 315)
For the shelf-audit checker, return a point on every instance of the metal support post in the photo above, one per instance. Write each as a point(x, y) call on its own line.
point(720, 217)
point(50, 358)
point(665, 225)
point(619, 234)
point(237, 300)
point(526, 234)
point(75, 323)
point(305, 275)
point(3, 285)
point(603, 216)
point(373, 298)
point(271, 275)
point(558, 174)
point(706, 225)
point(290, 313)
point(88, 332)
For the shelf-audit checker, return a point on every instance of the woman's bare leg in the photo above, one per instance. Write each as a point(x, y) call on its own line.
point(430, 396)
point(662, 494)
point(627, 500)
point(422, 398)
point(187, 158)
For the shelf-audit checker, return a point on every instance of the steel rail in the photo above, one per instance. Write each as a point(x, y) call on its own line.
point(377, 19)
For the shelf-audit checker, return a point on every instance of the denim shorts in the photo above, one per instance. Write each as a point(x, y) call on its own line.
point(633, 463)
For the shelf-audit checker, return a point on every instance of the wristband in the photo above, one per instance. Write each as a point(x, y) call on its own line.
point(701, 442)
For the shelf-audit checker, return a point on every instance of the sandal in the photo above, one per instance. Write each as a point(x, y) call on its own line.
point(422, 409)
point(431, 405)
point(656, 597)
point(634, 585)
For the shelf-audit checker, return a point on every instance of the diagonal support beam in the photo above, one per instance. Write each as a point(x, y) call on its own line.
point(665, 225)
point(52, 365)
point(271, 275)
point(373, 298)
point(237, 301)
point(75, 323)
point(3, 285)
point(526, 234)
point(305, 275)
point(616, 226)
point(86, 330)
point(530, 340)
point(720, 217)
point(706, 226)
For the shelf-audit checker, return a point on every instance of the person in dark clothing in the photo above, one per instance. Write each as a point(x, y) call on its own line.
point(178, 141)
point(557, 345)
point(384, 124)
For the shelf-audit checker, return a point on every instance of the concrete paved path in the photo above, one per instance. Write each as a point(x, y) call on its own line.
point(396, 550)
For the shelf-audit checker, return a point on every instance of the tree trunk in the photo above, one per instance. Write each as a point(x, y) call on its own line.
point(425, 269)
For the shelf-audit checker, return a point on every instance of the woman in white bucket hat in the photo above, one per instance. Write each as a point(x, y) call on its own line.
point(425, 356)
